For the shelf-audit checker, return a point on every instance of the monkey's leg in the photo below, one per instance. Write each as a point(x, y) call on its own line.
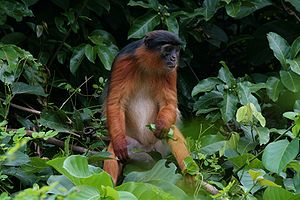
point(180, 152)
point(112, 166)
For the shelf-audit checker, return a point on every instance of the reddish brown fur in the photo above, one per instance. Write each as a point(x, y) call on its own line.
point(145, 69)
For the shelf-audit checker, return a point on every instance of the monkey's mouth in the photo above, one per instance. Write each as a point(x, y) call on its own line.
point(171, 65)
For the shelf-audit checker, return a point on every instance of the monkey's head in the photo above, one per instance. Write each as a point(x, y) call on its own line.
point(165, 43)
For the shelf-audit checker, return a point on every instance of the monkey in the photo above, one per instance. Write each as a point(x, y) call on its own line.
point(141, 91)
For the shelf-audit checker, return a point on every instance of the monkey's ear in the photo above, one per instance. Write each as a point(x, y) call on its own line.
point(147, 40)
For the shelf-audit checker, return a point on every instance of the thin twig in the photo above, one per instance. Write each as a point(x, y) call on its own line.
point(30, 110)
point(74, 92)
point(290, 11)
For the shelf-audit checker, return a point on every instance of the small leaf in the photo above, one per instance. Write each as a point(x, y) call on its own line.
point(244, 115)
point(233, 8)
point(106, 55)
point(290, 80)
point(142, 25)
point(263, 135)
point(209, 8)
point(191, 166)
point(229, 106)
point(76, 58)
point(295, 48)
point(172, 24)
point(225, 75)
point(90, 53)
point(206, 85)
point(290, 115)
point(255, 174)
point(295, 65)
point(280, 48)
point(274, 88)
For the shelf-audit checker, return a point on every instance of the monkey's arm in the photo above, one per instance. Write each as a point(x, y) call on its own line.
point(116, 100)
point(167, 114)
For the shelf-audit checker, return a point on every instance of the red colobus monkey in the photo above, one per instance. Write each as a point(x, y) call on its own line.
point(142, 90)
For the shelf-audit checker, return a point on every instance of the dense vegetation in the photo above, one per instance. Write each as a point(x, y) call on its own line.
point(239, 93)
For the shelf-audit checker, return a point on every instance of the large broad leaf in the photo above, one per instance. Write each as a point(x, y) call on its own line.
point(77, 170)
point(158, 172)
point(295, 3)
point(206, 85)
point(295, 48)
point(278, 154)
point(290, 80)
point(24, 88)
point(295, 65)
point(276, 193)
point(280, 48)
point(142, 25)
point(84, 192)
point(63, 185)
point(229, 106)
point(76, 58)
point(274, 88)
point(146, 191)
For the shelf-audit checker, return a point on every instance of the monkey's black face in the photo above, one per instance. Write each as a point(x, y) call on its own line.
point(170, 54)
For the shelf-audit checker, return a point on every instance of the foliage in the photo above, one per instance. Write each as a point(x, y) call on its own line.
point(239, 73)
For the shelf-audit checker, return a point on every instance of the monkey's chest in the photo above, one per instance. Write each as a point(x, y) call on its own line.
point(141, 110)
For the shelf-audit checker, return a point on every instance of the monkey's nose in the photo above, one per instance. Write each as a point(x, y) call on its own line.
point(173, 58)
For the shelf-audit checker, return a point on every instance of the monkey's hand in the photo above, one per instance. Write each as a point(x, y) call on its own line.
point(120, 149)
point(161, 129)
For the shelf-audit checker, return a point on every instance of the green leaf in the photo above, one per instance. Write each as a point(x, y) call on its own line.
point(56, 120)
point(266, 182)
point(209, 8)
point(244, 115)
point(278, 154)
point(295, 65)
point(207, 101)
point(151, 4)
point(290, 115)
point(90, 53)
point(23, 88)
point(297, 106)
point(206, 85)
point(233, 8)
point(263, 135)
point(210, 144)
point(126, 195)
point(142, 25)
point(85, 192)
point(229, 106)
point(247, 180)
point(295, 3)
point(13, 38)
point(274, 88)
point(295, 48)
point(191, 166)
point(276, 193)
point(107, 55)
point(290, 80)
point(280, 48)
point(76, 58)
point(226, 76)
point(146, 191)
point(245, 96)
point(77, 166)
point(158, 172)
point(172, 24)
